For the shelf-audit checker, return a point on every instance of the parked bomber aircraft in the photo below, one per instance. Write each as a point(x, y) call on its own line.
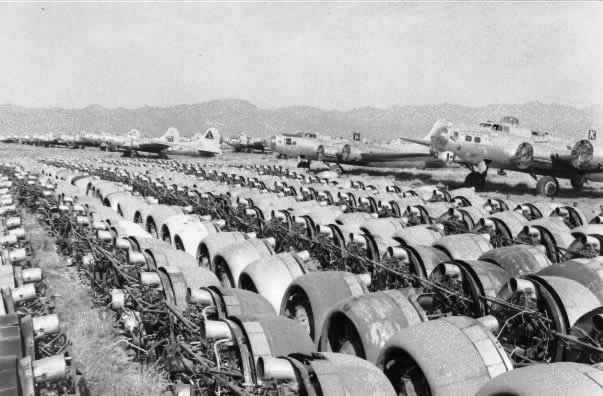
point(506, 146)
point(47, 140)
point(245, 143)
point(9, 139)
point(113, 142)
point(91, 139)
point(206, 144)
point(339, 151)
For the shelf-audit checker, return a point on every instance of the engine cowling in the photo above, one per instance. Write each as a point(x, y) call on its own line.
point(581, 155)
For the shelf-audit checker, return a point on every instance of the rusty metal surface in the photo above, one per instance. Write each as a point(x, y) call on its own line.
point(457, 364)
point(588, 273)
point(518, 259)
point(555, 379)
point(463, 246)
point(322, 290)
point(374, 318)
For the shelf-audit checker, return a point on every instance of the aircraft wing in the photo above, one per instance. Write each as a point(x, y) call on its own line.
point(376, 157)
point(418, 141)
point(208, 152)
point(581, 158)
point(362, 153)
point(151, 147)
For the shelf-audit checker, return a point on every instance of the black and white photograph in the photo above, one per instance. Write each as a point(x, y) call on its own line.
point(301, 198)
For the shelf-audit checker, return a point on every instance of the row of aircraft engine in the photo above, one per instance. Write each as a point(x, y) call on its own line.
point(132, 143)
point(502, 145)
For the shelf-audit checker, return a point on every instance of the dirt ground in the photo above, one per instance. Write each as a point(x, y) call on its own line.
point(95, 345)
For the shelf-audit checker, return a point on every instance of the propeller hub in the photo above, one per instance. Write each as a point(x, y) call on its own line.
point(440, 138)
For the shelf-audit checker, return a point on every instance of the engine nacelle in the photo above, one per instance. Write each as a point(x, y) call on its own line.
point(445, 156)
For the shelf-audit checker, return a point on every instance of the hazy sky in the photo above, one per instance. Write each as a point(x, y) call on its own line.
point(335, 56)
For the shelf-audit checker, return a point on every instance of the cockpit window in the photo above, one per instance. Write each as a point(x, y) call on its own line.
point(468, 138)
point(496, 127)
point(288, 141)
point(485, 124)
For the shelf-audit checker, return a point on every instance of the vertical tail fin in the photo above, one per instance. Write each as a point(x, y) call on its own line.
point(212, 134)
point(437, 126)
point(172, 135)
point(134, 133)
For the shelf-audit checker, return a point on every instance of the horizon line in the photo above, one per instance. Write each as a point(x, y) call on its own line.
point(585, 107)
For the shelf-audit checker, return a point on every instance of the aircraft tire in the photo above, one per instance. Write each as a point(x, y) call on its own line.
point(578, 182)
point(476, 179)
point(547, 186)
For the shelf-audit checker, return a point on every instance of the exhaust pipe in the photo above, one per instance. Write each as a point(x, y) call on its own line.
point(118, 299)
point(199, 296)
point(490, 323)
point(271, 368)
point(217, 330)
point(32, 275)
point(45, 325)
point(23, 293)
point(150, 279)
point(519, 285)
point(49, 369)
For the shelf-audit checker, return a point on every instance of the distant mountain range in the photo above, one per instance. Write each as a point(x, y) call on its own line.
point(232, 116)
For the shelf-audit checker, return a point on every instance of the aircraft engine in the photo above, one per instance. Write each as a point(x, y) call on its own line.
point(582, 154)
point(445, 156)
point(328, 152)
point(350, 153)
point(440, 138)
point(524, 155)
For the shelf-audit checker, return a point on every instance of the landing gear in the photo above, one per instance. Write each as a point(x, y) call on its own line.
point(476, 180)
point(304, 164)
point(578, 182)
point(477, 177)
point(547, 186)
point(336, 168)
